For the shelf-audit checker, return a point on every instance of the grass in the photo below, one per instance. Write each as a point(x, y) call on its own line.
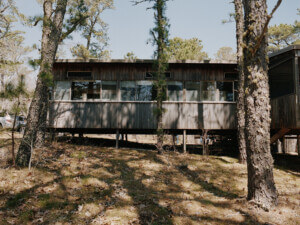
point(88, 184)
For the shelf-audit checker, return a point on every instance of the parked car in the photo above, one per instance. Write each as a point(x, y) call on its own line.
point(8, 121)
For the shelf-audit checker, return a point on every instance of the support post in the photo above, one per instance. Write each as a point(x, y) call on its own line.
point(117, 138)
point(283, 145)
point(184, 141)
point(298, 145)
point(205, 142)
point(279, 146)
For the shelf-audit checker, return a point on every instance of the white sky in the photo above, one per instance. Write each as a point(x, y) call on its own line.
point(129, 25)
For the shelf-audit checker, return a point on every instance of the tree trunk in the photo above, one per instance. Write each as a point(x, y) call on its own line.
point(261, 186)
point(239, 18)
point(37, 116)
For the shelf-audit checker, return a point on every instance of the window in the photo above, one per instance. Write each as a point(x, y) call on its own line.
point(192, 91)
point(128, 91)
point(109, 90)
point(80, 74)
point(144, 91)
point(208, 91)
point(62, 90)
point(175, 92)
point(225, 91)
point(84, 90)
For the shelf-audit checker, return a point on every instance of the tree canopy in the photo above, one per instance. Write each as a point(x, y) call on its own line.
point(185, 49)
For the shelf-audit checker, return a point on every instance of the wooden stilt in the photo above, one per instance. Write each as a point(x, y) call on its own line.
point(298, 145)
point(117, 138)
point(205, 142)
point(283, 145)
point(184, 141)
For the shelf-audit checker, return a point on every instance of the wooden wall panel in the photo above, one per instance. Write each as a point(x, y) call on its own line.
point(283, 112)
point(130, 115)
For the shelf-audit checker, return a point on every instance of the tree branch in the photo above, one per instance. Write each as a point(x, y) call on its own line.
point(256, 47)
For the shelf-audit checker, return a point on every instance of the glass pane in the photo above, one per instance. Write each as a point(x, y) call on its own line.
point(94, 90)
point(62, 90)
point(109, 90)
point(79, 90)
point(236, 90)
point(208, 91)
point(192, 91)
point(175, 91)
point(127, 90)
point(144, 91)
point(225, 91)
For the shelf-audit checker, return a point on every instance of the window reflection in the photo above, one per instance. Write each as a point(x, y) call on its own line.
point(208, 91)
point(192, 91)
point(128, 91)
point(144, 91)
point(225, 90)
point(109, 90)
point(175, 91)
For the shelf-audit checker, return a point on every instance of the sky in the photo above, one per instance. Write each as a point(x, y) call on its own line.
point(129, 25)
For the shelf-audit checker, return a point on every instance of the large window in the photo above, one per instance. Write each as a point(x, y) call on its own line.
point(109, 90)
point(128, 91)
point(225, 91)
point(192, 91)
point(175, 91)
point(85, 90)
point(144, 91)
point(208, 91)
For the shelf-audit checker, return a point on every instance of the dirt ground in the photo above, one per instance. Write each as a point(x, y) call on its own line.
point(87, 183)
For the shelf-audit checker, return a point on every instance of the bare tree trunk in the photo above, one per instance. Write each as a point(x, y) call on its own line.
point(239, 18)
point(36, 121)
point(261, 186)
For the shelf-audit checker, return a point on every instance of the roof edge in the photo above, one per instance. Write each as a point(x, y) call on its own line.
point(289, 48)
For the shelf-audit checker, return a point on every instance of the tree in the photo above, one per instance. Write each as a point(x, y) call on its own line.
point(94, 29)
point(184, 49)
point(160, 34)
point(240, 112)
point(130, 56)
point(52, 35)
point(225, 53)
point(283, 35)
point(261, 186)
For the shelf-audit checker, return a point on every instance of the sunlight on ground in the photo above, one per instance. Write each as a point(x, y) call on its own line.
point(72, 184)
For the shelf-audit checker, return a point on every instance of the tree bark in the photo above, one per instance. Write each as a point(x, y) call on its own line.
point(261, 186)
point(239, 19)
point(37, 116)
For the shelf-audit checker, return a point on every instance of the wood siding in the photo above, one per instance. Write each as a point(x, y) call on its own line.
point(139, 115)
point(283, 112)
point(137, 71)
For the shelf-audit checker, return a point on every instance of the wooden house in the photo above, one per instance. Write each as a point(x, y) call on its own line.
point(118, 96)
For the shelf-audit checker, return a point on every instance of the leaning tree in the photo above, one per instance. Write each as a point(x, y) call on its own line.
point(53, 21)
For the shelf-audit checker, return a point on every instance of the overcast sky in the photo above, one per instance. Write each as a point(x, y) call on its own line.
point(129, 25)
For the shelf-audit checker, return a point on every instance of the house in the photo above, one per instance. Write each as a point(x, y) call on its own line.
point(117, 96)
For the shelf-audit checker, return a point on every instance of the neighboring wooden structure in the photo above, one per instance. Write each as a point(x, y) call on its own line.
point(284, 79)
point(200, 96)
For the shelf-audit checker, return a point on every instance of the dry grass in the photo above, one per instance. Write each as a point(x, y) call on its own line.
point(85, 184)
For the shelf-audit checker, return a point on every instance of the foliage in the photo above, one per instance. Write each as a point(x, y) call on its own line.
point(94, 31)
point(81, 52)
point(185, 49)
point(225, 53)
point(130, 56)
point(283, 35)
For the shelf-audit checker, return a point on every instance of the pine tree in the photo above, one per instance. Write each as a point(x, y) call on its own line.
point(160, 34)
point(52, 35)
point(261, 185)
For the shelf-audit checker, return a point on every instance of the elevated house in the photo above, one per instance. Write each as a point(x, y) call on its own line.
point(117, 96)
